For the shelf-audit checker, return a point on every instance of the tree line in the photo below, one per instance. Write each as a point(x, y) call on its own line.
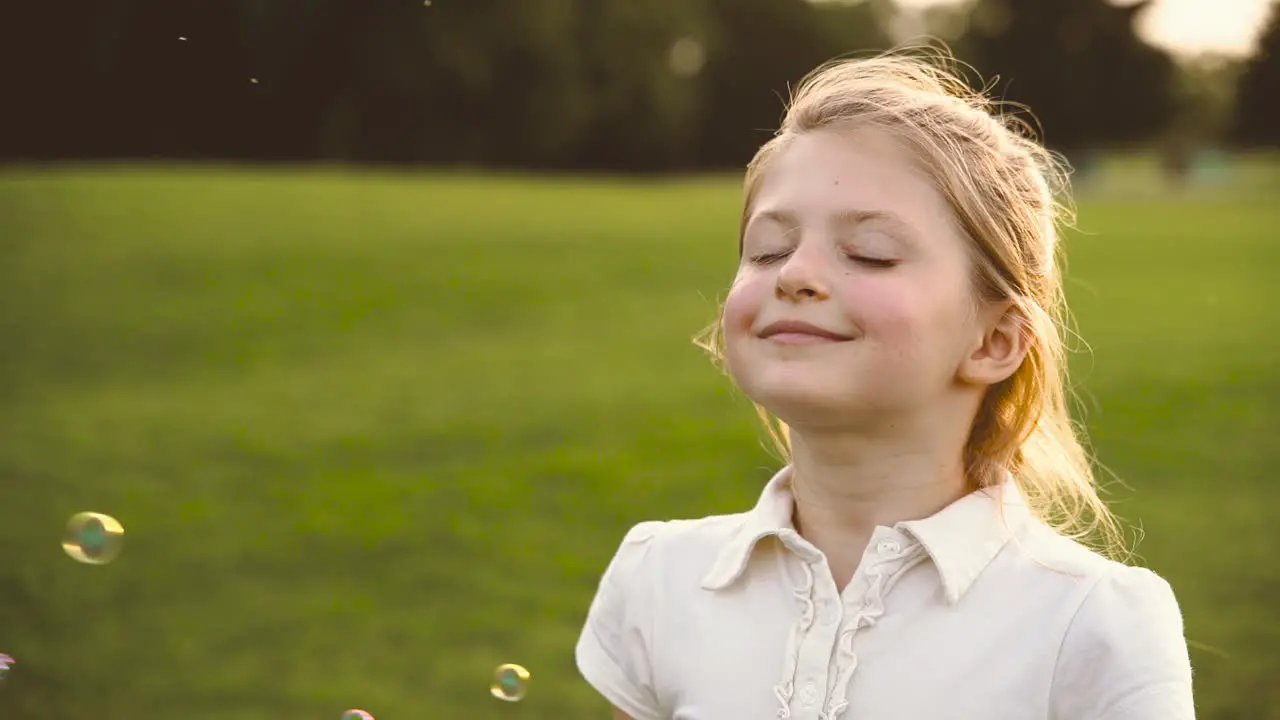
point(612, 85)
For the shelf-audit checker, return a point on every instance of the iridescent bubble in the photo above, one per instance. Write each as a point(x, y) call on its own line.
point(93, 538)
point(5, 663)
point(510, 682)
point(356, 715)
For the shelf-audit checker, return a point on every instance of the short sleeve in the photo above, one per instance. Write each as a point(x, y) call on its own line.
point(613, 652)
point(1125, 656)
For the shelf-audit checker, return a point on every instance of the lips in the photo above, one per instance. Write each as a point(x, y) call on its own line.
point(798, 331)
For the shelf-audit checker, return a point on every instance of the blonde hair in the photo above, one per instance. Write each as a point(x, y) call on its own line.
point(1002, 187)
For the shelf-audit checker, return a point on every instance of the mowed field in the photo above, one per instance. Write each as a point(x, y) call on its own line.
point(371, 435)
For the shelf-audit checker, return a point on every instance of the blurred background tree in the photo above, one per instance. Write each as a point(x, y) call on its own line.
point(606, 85)
point(1081, 67)
point(762, 47)
point(1207, 86)
point(1257, 112)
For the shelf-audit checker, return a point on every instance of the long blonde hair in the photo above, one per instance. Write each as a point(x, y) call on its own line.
point(1007, 194)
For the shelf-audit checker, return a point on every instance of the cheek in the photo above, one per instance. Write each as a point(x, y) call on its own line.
point(906, 314)
point(888, 310)
point(742, 304)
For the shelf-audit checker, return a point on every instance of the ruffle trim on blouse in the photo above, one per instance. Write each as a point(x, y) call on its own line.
point(786, 687)
point(881, 577)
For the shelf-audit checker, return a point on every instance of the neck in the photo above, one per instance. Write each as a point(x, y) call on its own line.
point(846, 484)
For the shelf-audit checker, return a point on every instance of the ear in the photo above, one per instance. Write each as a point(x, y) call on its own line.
point(1001, 346)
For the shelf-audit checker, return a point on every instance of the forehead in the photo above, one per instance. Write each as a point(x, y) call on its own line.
point(829, 174)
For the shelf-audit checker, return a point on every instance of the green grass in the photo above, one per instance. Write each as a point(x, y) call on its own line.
point(372, 435)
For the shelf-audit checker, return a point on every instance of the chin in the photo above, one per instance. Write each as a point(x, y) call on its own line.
point(802, 401)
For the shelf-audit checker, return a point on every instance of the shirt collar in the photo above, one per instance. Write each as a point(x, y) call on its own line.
point(771, 516)
point(961, 539)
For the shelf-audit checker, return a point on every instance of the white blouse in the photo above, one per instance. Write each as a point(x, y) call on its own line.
point(970, 614)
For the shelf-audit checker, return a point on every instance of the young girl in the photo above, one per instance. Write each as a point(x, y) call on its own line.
point(897, 307)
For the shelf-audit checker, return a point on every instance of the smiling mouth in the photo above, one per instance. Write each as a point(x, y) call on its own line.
point(802, 338)
point(798, 332)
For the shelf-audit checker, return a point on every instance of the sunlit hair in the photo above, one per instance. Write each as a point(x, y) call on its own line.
point(1008, 197)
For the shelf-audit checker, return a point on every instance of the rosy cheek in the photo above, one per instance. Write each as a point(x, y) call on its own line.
point(742, 304)
point(883, 309)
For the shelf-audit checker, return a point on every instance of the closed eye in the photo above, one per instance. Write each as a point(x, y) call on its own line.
point(772, 257)
point(768, 258)
point(873, 262)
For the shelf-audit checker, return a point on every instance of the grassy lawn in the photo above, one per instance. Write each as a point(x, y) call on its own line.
point(372, 435)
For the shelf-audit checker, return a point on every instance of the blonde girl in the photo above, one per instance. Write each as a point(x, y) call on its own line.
point(898, 309)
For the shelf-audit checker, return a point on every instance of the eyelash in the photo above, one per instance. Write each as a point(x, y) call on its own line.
point(769, 258)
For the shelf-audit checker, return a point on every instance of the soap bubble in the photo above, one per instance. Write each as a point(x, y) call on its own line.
point(510, 682)
point(5, 663)
point(93, 538)
point(356, 715)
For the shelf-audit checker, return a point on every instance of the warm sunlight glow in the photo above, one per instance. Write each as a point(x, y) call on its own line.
point(1189, 26)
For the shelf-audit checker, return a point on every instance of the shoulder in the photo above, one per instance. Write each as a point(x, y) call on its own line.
point(615, 650)
point(1123, 652)
point(666, 547)
point(1109, 602)
point(1043, 556)
point(1066, 556)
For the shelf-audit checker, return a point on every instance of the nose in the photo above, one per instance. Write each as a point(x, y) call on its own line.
point(801, 276)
